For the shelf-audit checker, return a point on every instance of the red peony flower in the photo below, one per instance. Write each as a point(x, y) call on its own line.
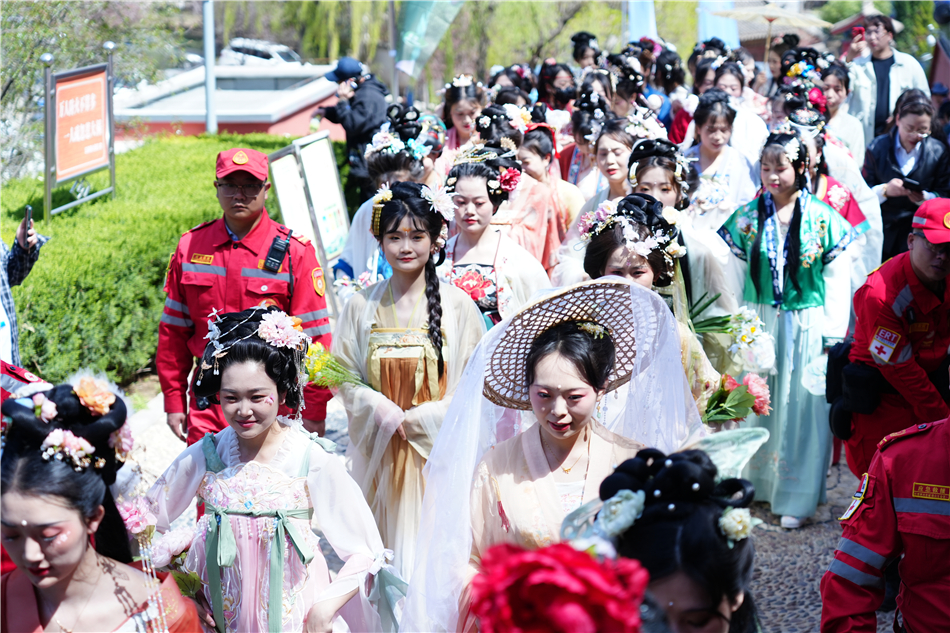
point(729, 382)
point(555, 589)
point(474, 284)
point(759, 389)
point(509, 179)
point(817, 98)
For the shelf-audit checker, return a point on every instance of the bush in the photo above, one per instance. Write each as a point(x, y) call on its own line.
point(95, 297)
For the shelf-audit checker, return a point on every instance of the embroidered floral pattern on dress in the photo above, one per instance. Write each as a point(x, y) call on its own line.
point(478, 282)
point(837, 197)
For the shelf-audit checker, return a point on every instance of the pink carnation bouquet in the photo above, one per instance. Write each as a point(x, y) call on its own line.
point(734, 401)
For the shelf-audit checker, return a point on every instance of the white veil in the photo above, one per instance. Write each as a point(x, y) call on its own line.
point(658, 404)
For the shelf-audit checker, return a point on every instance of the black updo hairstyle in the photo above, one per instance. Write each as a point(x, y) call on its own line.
point(799, 54)
point(540, 140)
point(669, 71)
point(584, 41)
point(703, 68)
point(510, 94)
point(592, 356)
point(661, 153)
point(714, 104)
point(493, 125)
point(597, 76)
point(710, 49)
point(839, 70)
point(403, 122)
point(730, 68)
point(616, 129)
point(473, 92)
point(488, 170)
point(589, 107)
point(646, 212)
point(630, 81)
point(519, 75)
point(239, 335)
point(547, 93)
point(808, 116)
point(679, 528)
point(789, 41)
point(407, 202)
point(24, 470)
point(774, 152)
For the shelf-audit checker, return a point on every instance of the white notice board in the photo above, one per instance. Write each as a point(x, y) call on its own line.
point(294, 210)
point(323, 181)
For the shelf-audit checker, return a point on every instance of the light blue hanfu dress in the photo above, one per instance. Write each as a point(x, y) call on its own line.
point(789, 470)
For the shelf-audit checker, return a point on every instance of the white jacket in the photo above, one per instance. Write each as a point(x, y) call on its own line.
point(905, 73)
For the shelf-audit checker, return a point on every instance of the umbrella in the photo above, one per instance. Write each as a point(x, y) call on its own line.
point(772, 13)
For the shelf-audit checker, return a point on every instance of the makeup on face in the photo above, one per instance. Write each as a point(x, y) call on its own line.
point(562, 402)
point(248, 399)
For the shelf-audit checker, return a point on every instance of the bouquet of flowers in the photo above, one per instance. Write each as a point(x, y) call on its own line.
point(160, 552)
point(752, 348)
point(735, 401)
point(325, 370)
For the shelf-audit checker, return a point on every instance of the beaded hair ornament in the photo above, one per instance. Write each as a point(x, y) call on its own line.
point(508, 178)
point(608, 214)
point(439, 199)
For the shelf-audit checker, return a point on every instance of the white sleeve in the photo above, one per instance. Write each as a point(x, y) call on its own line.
point(174, 491)
point(837, 276)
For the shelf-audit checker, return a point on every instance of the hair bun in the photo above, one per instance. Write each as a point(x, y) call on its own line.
point(791, 40)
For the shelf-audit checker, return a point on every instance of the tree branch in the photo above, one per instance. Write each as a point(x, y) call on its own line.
point(564, 19)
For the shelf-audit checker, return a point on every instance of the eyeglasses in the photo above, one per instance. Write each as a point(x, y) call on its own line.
point(231, 190)
point(935, 249)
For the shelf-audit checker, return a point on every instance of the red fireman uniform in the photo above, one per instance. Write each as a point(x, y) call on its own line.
point(902, 507)
point(211, 271)
point(903, 329)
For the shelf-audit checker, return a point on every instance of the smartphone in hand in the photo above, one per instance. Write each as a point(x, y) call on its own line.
point(29, 216)
point(912, 185)
point(857, 32)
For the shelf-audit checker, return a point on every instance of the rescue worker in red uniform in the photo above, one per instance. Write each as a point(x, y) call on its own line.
point(231, 264)
point(903, 329)
point(902, 507)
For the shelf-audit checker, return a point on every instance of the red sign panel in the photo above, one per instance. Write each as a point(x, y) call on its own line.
point(82, 125)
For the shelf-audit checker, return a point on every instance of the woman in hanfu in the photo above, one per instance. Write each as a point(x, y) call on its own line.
point(408, 338)
point(512, 463)
point(497, 274)
point(788, 242)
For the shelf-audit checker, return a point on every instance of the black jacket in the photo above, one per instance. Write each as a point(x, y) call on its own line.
point(361, 117)
point(932, 171)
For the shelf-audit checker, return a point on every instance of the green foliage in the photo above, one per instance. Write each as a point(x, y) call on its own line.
point(678, 22)
point(74, 33)
point(94, 298)
point(915, 15)
point(841, 9)
point(725, 405)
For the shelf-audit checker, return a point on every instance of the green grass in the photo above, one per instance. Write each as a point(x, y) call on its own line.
point(94, 298)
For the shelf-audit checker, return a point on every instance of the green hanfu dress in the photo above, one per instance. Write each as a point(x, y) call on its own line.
point(789, 470)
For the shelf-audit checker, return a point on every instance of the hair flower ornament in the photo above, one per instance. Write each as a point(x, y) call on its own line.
point(671, 215)
point(462, 81)
point(95, 395)
point(282, 330)
point(61, 444)
point(675, 250)
point(440, 200)
point(594, 329)
point(509, 179)
point(384, 141)
point(620, 512)
point(417, 149)
point(642, 123)
point(484, 121)
point(792, 150)
point(817, 98)
point(519, 117)
point(44, 408)
point(736, 524)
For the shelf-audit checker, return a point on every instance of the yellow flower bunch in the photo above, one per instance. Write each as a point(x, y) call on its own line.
point(325, 370)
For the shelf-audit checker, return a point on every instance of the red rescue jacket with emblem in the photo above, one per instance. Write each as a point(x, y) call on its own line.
point(902, 507)
point(12, 378)
point(210, 271)
point(903, 329)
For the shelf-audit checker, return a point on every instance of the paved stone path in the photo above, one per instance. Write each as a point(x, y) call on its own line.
point(789, 563)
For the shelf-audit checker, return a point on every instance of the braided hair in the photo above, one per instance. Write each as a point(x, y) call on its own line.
point(407, 202)
point(774, 152)
point(24, 469)
point(244, 345)
point(679, 529)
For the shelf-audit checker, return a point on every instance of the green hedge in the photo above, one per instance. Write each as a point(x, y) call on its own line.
point(94, 298)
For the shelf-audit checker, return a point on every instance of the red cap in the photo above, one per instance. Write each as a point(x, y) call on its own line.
point(933, 218)
point(237, 159)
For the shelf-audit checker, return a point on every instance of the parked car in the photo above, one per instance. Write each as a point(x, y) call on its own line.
point(242, 51)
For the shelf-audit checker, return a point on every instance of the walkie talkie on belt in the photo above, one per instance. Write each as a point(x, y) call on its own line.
point(275, 256)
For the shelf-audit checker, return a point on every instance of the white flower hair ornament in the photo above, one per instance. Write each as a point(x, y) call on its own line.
point(642, 123)
point(440, 200)
point(792, 150)
point(608, 214)
point(736, 525)
point(519, 117)
point(62, 445)
point(484, 121)
point(596, 127)
point(384, 141)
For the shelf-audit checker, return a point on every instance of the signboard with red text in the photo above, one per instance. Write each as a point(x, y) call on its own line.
point(81, 123)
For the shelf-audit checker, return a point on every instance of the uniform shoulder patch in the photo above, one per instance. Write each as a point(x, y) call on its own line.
point(904, 433)
point(319, 284)
point(883, 344)
point(199, 227)
point(857, 498)
point(300, 238)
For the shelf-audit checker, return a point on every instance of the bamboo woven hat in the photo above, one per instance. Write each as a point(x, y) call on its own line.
point(605, 303)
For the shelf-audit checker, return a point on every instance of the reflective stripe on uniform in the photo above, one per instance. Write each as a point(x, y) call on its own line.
point(846, 571)
point(254, 272)
point(922, 506)
point(173, 320)
point(863, 554)
point(314, 332)
point(902, 301)
point(9, 383)
point(202, 268)
point(174, 305)
point(316, 315)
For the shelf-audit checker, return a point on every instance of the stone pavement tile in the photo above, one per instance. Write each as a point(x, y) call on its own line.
point(789, 564)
